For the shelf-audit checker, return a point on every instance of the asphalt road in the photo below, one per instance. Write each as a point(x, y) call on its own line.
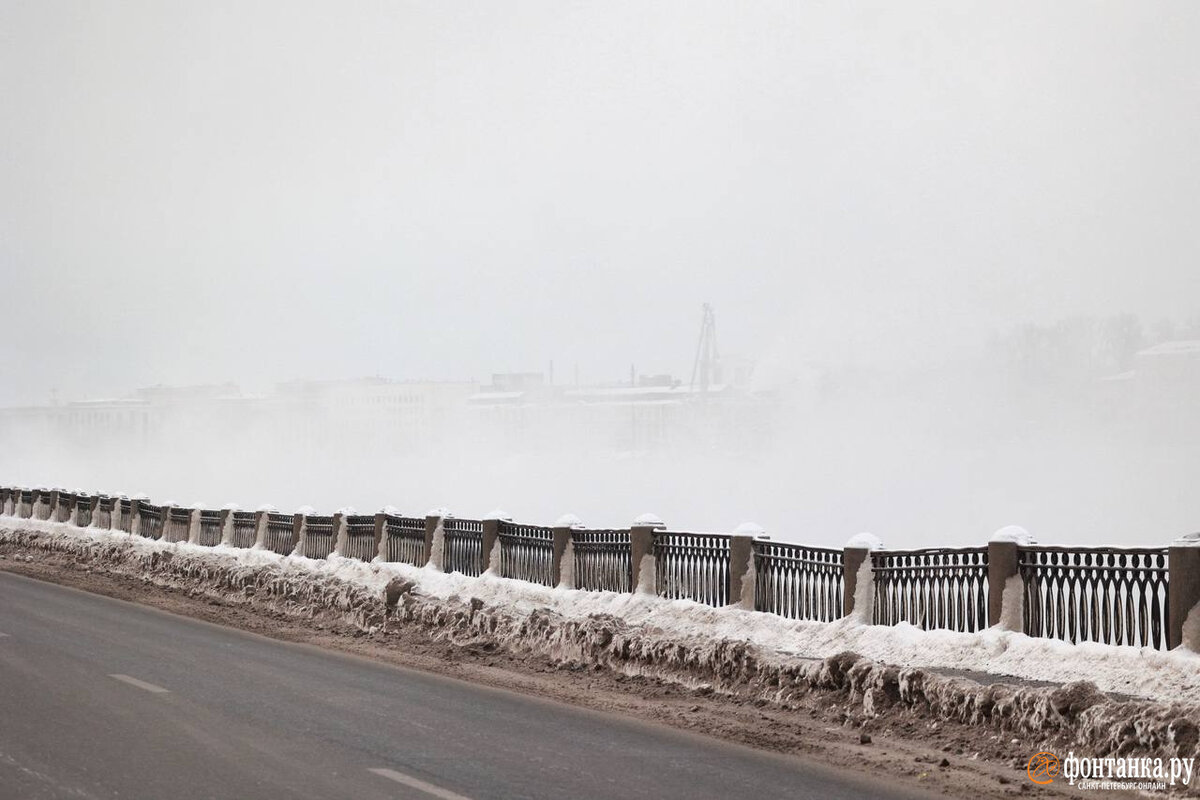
point(102, 698)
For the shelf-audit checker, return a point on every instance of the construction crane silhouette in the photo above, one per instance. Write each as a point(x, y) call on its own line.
point(707, 366)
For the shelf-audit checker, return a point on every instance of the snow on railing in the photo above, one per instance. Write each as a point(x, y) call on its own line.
point(1114, 596)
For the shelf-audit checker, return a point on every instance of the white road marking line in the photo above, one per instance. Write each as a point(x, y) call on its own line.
point(427, 788)
point(149, 687)
point(2, 635)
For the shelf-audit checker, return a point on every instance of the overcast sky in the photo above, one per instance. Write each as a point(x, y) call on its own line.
point(205, 191)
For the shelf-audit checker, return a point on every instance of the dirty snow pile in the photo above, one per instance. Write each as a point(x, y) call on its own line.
point(727, 650)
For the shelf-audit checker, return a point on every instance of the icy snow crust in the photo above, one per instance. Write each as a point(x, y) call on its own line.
point(729, 650)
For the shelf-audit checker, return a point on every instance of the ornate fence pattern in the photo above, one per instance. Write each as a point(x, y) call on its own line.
point(151, 525)
point(935, 588)
point(798, 582)
point(693, 566)
point(1096, 594)
point(126, 507)
point(177, 524)
point(603, 561)
point(462, 546)
point(360, 537)
point(83, 510)
point(209, 531)
point(319, 538)
point(281, 533)
point(526, 552)
point(243, 529)
point(1112, 596)
point(404, 540)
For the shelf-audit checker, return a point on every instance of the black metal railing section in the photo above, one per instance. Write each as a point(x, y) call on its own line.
point(209, 531)
point(405, 539)
point(526, 552)
point(5, 501)
point(281, 535)
point(83, 510)
point(694, 566)
point(462, 543)
point(126, 506)
point(603, 562)
point(943, 588)
point(244, 529)
point(319, 539)
point(360, 537)
point(177, 524)
point(102, 516)
point(151, 521)
point(798, 582)
point(1096, 594)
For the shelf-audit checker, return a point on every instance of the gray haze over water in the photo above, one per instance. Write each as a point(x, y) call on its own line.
point(939, 230)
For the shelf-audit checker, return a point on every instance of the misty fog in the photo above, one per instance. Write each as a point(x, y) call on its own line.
point(305, 258)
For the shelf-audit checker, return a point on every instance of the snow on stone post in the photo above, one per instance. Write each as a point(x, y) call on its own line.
point(435, 539)
point(341, 542)
point(641, 553)
point(227, 525)
point(1003, 575)
point(562, 553)
point(742, 578)
point(1183, 593)
point(93, 504)
point(193, 535)
point(299, 521)
point(260, 528)
point(858, 581)
point(380, 528)
point(491, 534)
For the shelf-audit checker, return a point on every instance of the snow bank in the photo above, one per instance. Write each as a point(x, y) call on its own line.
point(876, 669)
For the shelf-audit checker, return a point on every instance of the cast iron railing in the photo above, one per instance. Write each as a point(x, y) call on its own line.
point(280, 534)
point(462, 546)
point(151, 524)
point(360, 537)
point(209, 531)
point(932, 588)
point(404, 539)
point(602, 560)
point(1096, 594)
point(319, 538)
point(798, 582)
point(243, 529)
point(83, 510)
point(526, 552)
point(694, 566)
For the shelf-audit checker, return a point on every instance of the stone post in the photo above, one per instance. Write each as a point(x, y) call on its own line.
point(856, 564)
point(1183, 592)
point(559, 546)
point(340, 537)
point(491, 535)
point(1002, 565)
point(381, 536)
point(135, 517)
point(299, 520)
point(226, 527)
point(434, 541)
point(641, 554)
point(260, 528)
point(93, 505)
point(741, 571)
